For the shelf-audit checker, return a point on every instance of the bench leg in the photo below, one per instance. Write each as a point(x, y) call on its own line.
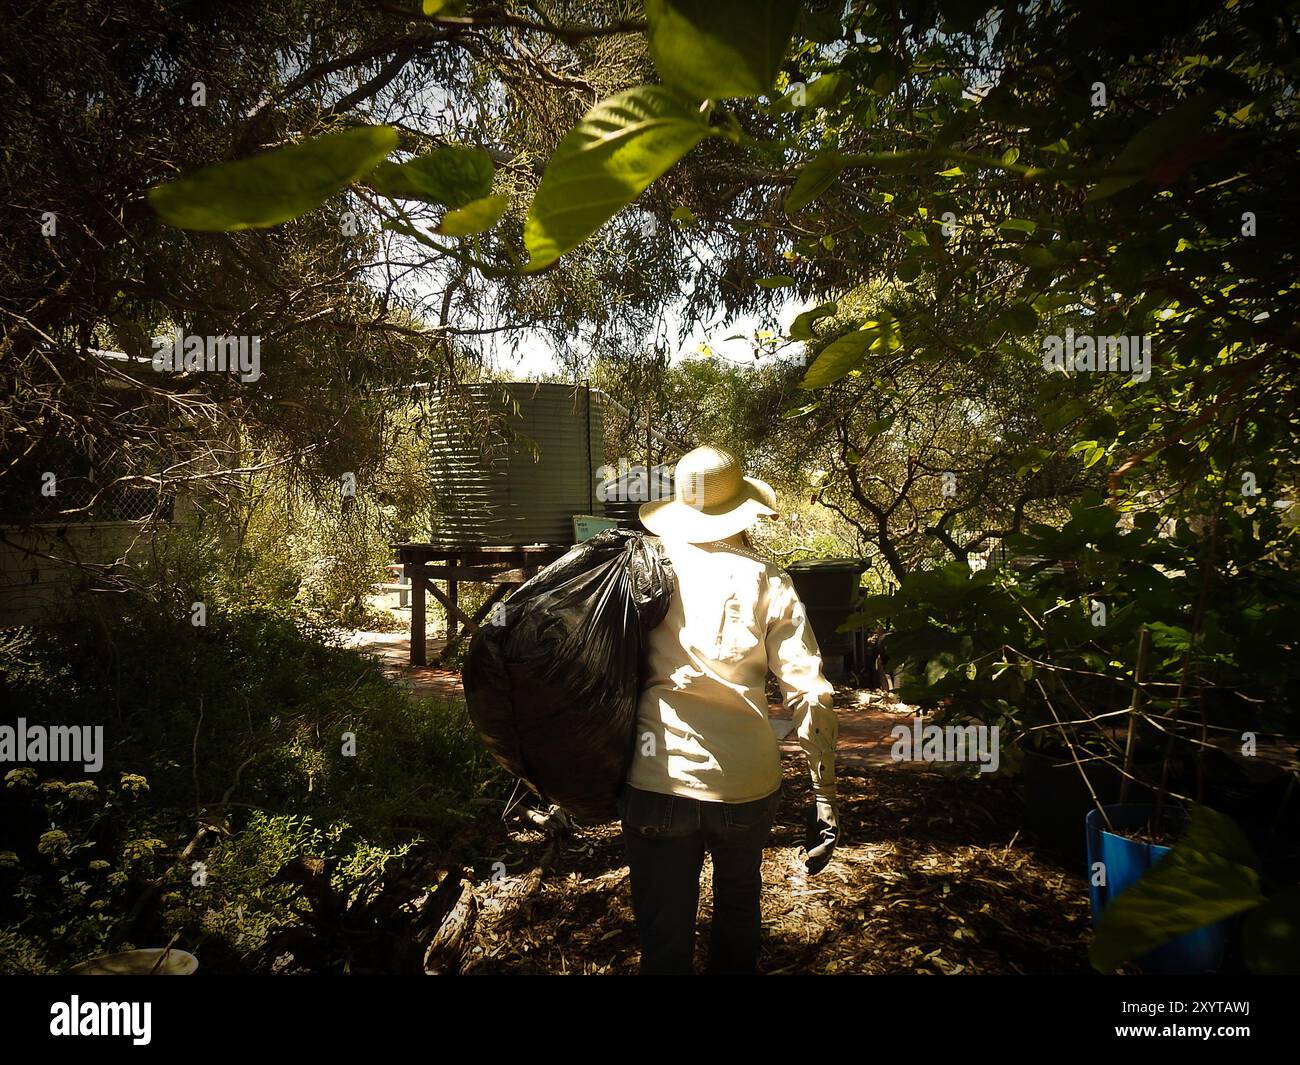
point(419, 652)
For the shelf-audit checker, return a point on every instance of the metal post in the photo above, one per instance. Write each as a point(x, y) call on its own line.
point(1139, 675)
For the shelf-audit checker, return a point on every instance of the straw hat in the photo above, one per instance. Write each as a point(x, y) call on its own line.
point(712, 499)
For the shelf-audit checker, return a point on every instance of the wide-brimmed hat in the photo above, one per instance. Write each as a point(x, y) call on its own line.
point(712, 499)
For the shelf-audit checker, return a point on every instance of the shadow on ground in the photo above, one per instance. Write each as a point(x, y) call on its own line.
point(932, 877)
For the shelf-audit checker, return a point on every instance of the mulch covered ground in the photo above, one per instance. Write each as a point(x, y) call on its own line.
point(931, 877)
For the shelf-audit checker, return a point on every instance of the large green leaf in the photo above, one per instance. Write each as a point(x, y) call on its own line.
point(1018, 319)
point(848, 352)
point(275, 186)
point(1163, 136)
point(820, 173)
point(713, 49)
point(474, 217)
point(824, 91)
point(1210, 874)
point(873, 608)
point(814, 179)
point(821, 24)
point(836, 359)
point(453, 176)
point(1017, 225)
point(802, 327)
point(1271, 941)
point(606, 161)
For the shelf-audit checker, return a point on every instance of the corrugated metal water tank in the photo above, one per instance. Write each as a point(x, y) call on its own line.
point(500, 491)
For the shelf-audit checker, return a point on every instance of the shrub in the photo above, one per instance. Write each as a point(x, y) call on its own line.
point(258, 725)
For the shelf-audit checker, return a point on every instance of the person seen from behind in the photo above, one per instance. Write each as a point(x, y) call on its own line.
point(706, 775)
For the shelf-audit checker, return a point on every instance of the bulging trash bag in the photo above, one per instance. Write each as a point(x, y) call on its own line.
point(553, 691)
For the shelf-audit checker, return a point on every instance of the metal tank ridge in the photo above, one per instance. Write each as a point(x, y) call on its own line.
point(496, 491)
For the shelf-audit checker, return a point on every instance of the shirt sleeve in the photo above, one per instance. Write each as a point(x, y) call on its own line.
point(795, 660)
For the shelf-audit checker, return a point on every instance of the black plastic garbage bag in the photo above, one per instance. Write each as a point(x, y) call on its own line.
point(553, 692)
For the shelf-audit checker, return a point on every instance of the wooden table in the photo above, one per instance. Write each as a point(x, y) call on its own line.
point(505, 567)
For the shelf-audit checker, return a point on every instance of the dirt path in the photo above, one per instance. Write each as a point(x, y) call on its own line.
point(393, 649)
point(932, 876)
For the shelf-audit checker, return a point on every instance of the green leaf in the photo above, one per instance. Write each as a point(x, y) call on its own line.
point(802, 327)
point(799, 412)
point(885, 82)
point(938, 668)
point(1018, 319)
point(1168, 132)
point(604, 163)
point(1017, 225)
point(1271, 939)
point(837, 358)
point(822, 25)
point(272, 187)
point(878, 426)
point(910, 268)
point(873, 608)
point(776, 281)
point(1209, 875)
point(1037, 255)
point(474, 217)
point(453, 176)
point(684, 215)
point(824, 91)
point(714, 49)
point(848, 352)
point(814, 179)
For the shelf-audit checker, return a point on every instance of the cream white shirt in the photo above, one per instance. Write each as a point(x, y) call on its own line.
point(702, 726)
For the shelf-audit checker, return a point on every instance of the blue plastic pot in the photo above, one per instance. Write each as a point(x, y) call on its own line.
point(1125, 861)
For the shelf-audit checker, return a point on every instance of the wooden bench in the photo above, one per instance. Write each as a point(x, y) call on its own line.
point(402, 586)
point(505, 567)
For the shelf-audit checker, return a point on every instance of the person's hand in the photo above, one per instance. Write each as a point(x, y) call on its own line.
point(823, 831)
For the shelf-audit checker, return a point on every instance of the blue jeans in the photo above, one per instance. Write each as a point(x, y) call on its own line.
point(665, 837)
